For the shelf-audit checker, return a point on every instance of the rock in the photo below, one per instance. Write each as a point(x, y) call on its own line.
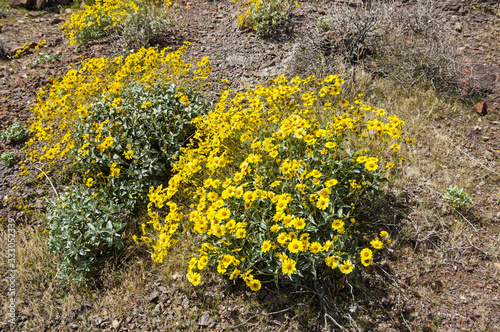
point(158, 308)
point(116, 324)
point(205, 319)
point(22, 3)
point(56, 20)
point(185, 303)
point(40, 4)
point(481, 108)
point(68, 11)
point(458, 26)
point(152, 296)
point(497, 265)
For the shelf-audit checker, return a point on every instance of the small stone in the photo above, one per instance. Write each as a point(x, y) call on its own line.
point(205, 319)
point(214, 40)
point(158, 308)
point(98, 321)
point(116, 324)
point(481, 108)
point(56, 20)
point(458, 26)
point(84, 303)
point(152, 296)
point(104, 312)
point(497, 265)
point(185, 303)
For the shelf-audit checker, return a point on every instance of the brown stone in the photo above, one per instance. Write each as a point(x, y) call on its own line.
point(41, 4)
point(22, 3)
point(481, 108)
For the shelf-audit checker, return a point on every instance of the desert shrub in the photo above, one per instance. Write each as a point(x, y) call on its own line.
point(410, 45)
point(457, 197)
point(83, 223)
point(7, 157)
point(129, 143)
point(276, 176)
point(66, 104)
point(263, 16)
point(112, 128)
point(140, 22)
point(15, 133)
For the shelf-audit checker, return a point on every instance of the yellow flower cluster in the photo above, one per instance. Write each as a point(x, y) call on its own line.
point(167, 229)
point(103, 16)
point(67, 101)
point(275, 188)
point(28, 45)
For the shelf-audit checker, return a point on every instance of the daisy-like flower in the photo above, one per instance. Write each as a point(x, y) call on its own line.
point(371, 165)
point(377, 244)
point(266, 246)
point(346, 267)
point(288, 266)
point(295, 246)
point(254, 284)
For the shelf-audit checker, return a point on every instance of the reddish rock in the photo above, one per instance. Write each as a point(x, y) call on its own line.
point(481, 108)
point(22, 3)
point(40, 4)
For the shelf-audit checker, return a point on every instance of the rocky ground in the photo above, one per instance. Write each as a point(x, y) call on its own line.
point(416, 288)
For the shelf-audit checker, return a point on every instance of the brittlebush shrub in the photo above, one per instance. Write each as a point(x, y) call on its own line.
point(129, 143)
point(263, 16)
point(140, 22)
point(92, 97)
point(113, 127)
point(83, 224)
point(276, 174)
